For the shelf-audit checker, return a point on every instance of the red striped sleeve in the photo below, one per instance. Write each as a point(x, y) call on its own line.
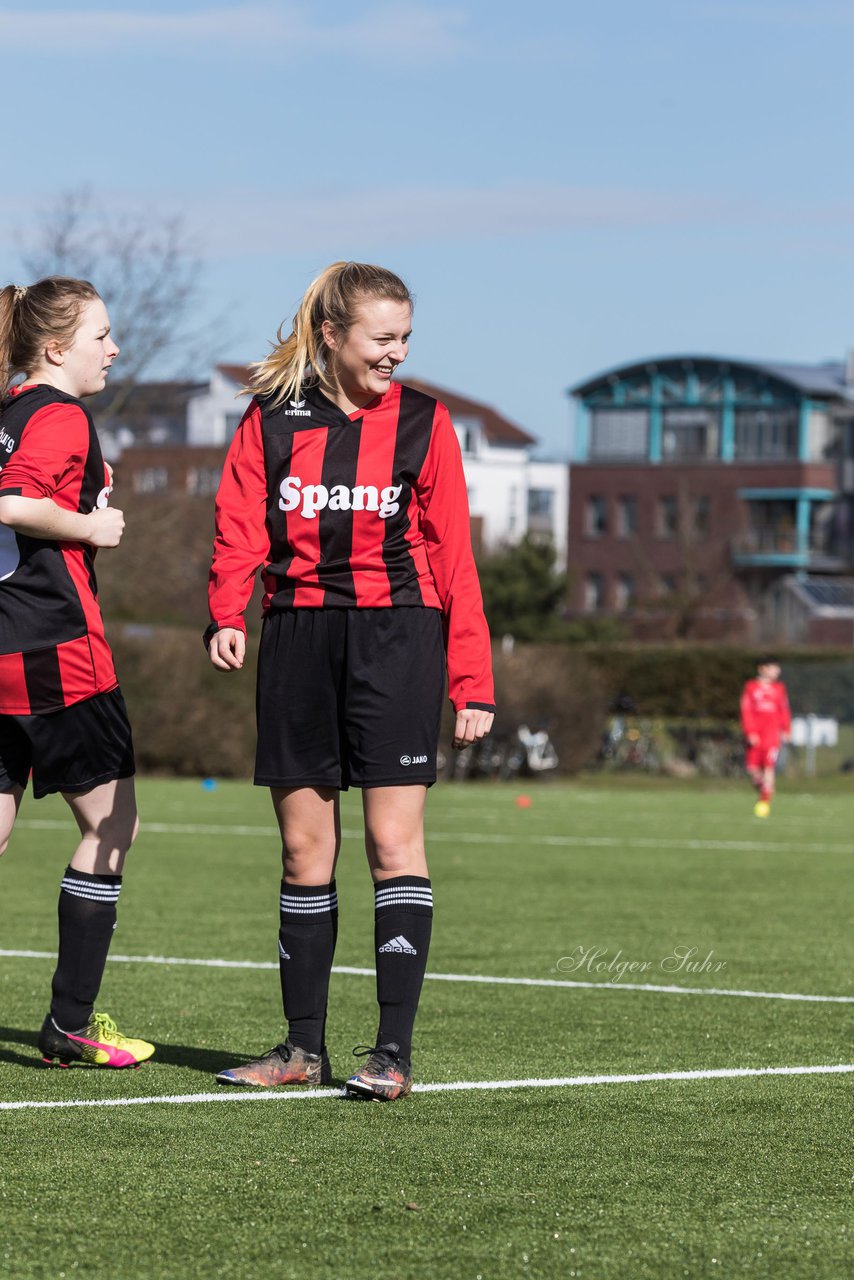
point(51, 456)
point(242, 542)
point(445, 523)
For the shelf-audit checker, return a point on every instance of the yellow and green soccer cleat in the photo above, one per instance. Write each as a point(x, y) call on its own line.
point(762, 809)
point(100, 1044)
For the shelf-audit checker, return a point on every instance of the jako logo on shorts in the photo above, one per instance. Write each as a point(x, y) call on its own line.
point(316, 497)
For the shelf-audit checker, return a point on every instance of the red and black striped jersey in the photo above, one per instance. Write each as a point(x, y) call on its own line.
point(367, 510)
point(53, 652)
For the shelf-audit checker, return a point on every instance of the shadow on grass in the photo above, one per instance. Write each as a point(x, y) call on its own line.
point(205, 1061)
point(17, 1036)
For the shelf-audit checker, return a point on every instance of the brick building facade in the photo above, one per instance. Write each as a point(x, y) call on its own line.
point(699, 485)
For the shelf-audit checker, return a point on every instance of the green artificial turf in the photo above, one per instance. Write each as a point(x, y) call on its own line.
point(713, 1177)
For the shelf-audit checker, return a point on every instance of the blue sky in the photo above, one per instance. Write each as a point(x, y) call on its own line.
point(565, 186)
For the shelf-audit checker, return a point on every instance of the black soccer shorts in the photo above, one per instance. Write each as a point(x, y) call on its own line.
point(72, 750)
point(349, 697)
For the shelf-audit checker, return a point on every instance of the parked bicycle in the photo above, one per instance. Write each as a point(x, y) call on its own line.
point(524, 753)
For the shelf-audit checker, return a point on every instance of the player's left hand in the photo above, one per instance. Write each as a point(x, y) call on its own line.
point(471, 725)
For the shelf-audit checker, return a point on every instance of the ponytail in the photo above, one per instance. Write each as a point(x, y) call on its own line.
point(300, 359)
point(7, 307)
point(32, 316)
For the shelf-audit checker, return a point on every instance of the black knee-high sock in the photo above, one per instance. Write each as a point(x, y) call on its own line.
point(308, 931)
point(403, 916)
point(87, 918)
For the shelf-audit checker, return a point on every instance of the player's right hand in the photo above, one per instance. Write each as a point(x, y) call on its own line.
point(227, 649)
point(106, 526)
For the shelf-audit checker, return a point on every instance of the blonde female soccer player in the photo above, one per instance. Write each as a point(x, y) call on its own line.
point(348, 489)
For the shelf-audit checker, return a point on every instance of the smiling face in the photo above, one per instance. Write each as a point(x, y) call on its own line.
point(82, 366)
point(362, 360)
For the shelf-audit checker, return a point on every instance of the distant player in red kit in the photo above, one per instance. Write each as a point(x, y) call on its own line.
point(766, 722)
point(348, 490)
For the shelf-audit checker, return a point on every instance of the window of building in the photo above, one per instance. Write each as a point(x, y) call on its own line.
point(627, 515)
point(624, 594)
point(596, 516)
point(773, 526)
point(824, 528)
point(766, 433)
point(151, 480)
point(541, 510)
point(701, 510)
point(594, 592)
point(202, 482)
point(690, 433)
point(512, 508)
point(619, 433)
point(667, 516)
point(468, 432)
point(669, 584)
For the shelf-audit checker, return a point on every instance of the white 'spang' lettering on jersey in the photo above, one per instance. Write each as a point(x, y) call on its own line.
point(6, 441)
point(312, 498)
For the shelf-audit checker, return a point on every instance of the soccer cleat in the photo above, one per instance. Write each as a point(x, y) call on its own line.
point(285, 1064)
point(762, 809)
point(383, 1078)
point(100, 1044)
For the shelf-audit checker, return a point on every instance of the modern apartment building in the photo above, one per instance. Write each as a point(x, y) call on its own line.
point(703, 489)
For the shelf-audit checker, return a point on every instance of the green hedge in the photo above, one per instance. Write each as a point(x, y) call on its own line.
point(685, 681)
point(191, 720)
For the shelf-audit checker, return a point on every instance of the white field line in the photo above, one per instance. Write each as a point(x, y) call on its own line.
point(463, 977)
point(473, 837)
point(455, 1086)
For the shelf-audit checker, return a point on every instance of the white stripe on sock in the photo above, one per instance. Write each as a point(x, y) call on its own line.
point(307, 906)
point(80, 889)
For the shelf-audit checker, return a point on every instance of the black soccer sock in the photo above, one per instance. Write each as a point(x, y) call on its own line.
point(308, 931)
point(403, 916)
point(87, 918)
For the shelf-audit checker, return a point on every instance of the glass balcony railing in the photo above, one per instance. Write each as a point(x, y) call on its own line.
point(782, 546)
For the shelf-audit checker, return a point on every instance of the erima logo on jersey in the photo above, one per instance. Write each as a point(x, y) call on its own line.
point(312, 498)
point(297, 410)
point(404, 760)
point(399, 945)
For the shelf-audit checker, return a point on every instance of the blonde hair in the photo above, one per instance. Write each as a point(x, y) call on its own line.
point(301, 358)
point(32, 316)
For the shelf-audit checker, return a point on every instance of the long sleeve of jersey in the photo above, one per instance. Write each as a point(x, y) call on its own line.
point(749, 724)
point(445, 524)
point(50, 459)
point(242, 541)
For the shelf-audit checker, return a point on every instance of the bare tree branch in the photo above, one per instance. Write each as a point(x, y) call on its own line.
point(146, 267)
